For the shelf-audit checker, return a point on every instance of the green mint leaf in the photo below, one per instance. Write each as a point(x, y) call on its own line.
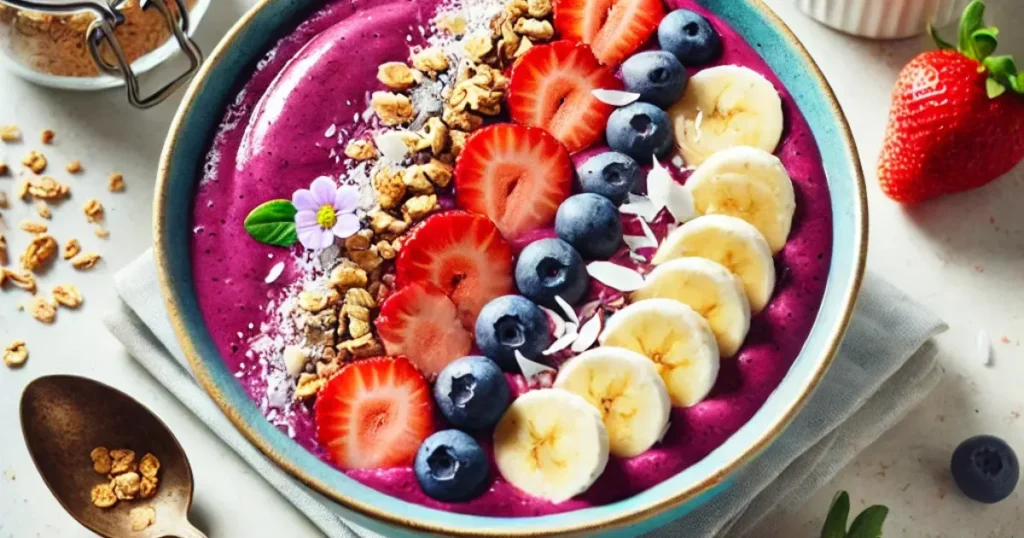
point(869, 523)
point(273, 223)
point(985, 41)
point(971, 21)
point(939, 42)
point(994, 88)
point(838, 513)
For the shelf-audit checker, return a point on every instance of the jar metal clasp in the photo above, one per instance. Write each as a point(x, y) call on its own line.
point(102, 31)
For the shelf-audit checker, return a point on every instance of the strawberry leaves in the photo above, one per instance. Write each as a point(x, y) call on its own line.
point(979, 42)
point(866, 525)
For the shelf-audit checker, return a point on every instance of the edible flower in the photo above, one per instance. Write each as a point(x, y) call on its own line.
point(324, 212)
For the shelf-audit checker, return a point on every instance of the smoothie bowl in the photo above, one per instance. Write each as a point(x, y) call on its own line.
point(510, 267)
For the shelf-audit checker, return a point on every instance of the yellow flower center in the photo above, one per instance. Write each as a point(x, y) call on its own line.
point(326, 217)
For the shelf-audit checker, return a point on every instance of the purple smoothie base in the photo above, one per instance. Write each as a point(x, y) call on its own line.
point(272, 142)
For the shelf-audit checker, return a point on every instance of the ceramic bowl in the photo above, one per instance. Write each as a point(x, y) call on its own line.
point(180, 170)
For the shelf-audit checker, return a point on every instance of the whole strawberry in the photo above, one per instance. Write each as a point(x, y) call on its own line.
point(957, 119)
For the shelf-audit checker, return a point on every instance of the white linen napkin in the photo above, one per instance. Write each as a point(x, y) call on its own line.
point(886, 365)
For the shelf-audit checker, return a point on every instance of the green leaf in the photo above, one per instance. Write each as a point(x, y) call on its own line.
point(273, 223)
point(869, 523)
point(985, 41)
point(971, 21)
point(838, 513)
point(939, 42)
point(994, 88)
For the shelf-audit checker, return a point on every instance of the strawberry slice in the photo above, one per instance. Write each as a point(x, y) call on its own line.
point(420, 322)
point(614, 29)
point(374, 414)
point(551, 88)
point(462, 254)
point(515, 175)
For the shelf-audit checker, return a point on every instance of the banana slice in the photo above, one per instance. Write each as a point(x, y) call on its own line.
point(711, 290)
point(551, 444)
point(734, 243)
point(627, 391)
point(724, 107)
point(676, 338)
point(748, 183)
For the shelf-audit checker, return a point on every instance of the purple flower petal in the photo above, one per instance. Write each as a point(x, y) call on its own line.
point(306, 219)
point(347, 225)
point(310, 237)
point(323, 191)
point(326, 239)
point(346, 200)
point(302, 199)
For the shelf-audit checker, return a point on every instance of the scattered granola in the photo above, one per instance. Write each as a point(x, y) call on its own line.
point(10, 133)
point(454, 25)
point(21, 190)
point(389, 186)
point(142, 518)
point(116, 182)
point(85, 261)
point(123, 461)
point(360, 150)
point(71, 248)
point(149, 466)
point(126, 486)
point(22, 279)
point(397, 76)
point(347, 276)
point(3, 200)
point(93, 210)
point(32, 226)
point(43, 209)
point(39, 252)
point(47, 136)
point(67, 295)
point(48, 188)
point(103, 496)
point(3, 255)
point(35, 161)
point(74, 167)
point(4, 170)
point(43, 310)
point(431, 61)
point(418, 207)
point(309, 385)
point(102, 232)
point(392, 108)
point(15, 354)
point(101, 462)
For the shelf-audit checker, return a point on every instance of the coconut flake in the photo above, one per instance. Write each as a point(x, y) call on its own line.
point(392, 146)
point(331, 131)
point(665, 192)
point(984, 348)
point(558, 345)
point(640, 206)
point(677, 161)
point(532, 369)
point(570, 314)
point(615, 97)
point(275, 273)
point(696, 124)
point(588, 334)
point(636, 242)
point(637, 257)
point(648, 232)
point(616, 276)
point(557, 321)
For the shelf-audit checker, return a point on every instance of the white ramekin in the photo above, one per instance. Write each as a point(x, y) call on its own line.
point(882, 19)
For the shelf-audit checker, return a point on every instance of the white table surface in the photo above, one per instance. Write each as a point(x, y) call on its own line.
point(961, 256)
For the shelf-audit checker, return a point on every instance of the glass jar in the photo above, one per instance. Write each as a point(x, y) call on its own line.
point(79, 50)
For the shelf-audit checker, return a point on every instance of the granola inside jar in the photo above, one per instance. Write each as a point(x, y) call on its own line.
point(52, 49)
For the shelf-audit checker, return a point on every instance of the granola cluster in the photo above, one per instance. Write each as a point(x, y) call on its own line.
point(127, 480)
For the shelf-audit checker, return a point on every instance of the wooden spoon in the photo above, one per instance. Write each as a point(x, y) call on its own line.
point(64, 417)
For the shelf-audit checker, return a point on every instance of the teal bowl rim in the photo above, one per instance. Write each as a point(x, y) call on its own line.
point(181, 161)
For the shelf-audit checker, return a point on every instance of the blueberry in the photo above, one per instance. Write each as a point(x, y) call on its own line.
point(690, 37)
point(590, 223)
point(985, 468)
point(472, 392)
point(640, 130)
point(510, 323)
point(450, 466)
point(657, 76)
point(551, 267)
point(610, 174)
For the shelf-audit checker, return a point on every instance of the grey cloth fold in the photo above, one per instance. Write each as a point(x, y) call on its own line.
point(886, 365)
